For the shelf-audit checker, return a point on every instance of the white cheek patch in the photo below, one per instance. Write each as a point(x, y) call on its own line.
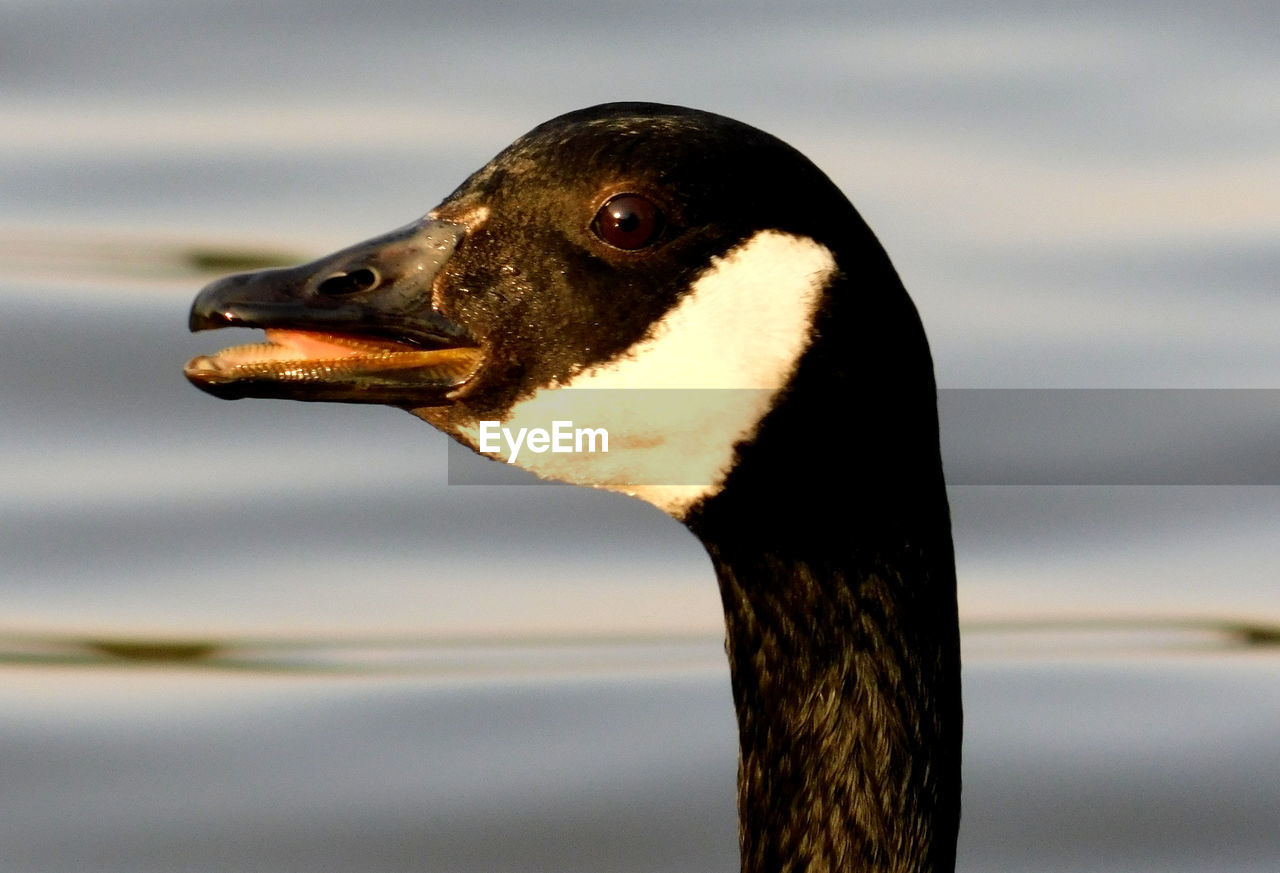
point(677, 403)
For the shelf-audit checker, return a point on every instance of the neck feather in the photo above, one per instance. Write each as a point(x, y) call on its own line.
point(844, 650)
point(846, 690)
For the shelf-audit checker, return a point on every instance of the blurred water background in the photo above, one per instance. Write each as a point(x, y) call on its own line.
point(269, 636)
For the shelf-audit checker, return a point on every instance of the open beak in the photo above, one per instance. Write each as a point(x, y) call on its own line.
point(358, 326)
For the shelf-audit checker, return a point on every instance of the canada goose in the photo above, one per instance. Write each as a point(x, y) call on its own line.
point(644, 246)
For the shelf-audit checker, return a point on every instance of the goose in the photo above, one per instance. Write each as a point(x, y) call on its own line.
point(701, 294)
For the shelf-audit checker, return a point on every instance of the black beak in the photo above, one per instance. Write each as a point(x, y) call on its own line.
point(356, 326)
point(380, 287)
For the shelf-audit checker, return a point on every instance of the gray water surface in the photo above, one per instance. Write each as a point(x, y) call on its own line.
point(269, 636)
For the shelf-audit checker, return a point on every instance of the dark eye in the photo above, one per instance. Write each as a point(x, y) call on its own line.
point(628, 222)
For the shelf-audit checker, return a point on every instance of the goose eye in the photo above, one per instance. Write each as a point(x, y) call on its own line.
point(628, 221)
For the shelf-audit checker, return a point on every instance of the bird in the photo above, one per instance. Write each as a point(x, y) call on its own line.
point(713, 306)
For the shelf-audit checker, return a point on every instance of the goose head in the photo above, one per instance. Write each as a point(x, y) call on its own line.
point(629, 246)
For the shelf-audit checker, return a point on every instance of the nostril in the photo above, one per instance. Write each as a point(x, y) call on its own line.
point(340, 284)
